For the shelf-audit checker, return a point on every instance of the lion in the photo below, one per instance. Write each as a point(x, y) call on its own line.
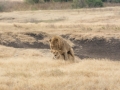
point(59, 44)
point(57, 55)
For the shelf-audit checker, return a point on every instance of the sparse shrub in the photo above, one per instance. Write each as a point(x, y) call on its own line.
point(47, 0)
point(79, 3)
point(91, 3)
point(104, 0)
point(62, 0)
point(1, 7)
point(98, 3)
point(57, 0)
point(87, 3)
point(116, 1)
point(94, 3)
point(32, 1)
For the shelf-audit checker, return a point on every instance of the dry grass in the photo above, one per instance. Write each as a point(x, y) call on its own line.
point(91, 22)
point(37, 73)
point(29, 69)
point(9, 6)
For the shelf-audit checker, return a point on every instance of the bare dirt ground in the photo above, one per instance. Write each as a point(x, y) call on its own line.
point(26, 62)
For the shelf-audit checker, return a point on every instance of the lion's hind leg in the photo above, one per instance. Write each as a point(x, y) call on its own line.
point(71, 52)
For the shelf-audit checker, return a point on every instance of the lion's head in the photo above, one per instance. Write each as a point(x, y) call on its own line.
point(56, 54)
point(56, 42)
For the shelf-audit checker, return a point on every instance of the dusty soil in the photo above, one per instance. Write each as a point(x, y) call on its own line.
point(93, 33)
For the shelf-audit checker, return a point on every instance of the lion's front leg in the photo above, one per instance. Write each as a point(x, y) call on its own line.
point(65, 55)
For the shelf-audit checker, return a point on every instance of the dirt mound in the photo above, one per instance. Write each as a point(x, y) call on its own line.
point(84, 47)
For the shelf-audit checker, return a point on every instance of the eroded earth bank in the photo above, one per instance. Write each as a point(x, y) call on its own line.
point(84, 47)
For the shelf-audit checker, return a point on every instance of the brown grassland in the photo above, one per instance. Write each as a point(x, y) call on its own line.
point(34, 69)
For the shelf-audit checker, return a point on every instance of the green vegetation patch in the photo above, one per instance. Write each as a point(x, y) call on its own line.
point(87, 3)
